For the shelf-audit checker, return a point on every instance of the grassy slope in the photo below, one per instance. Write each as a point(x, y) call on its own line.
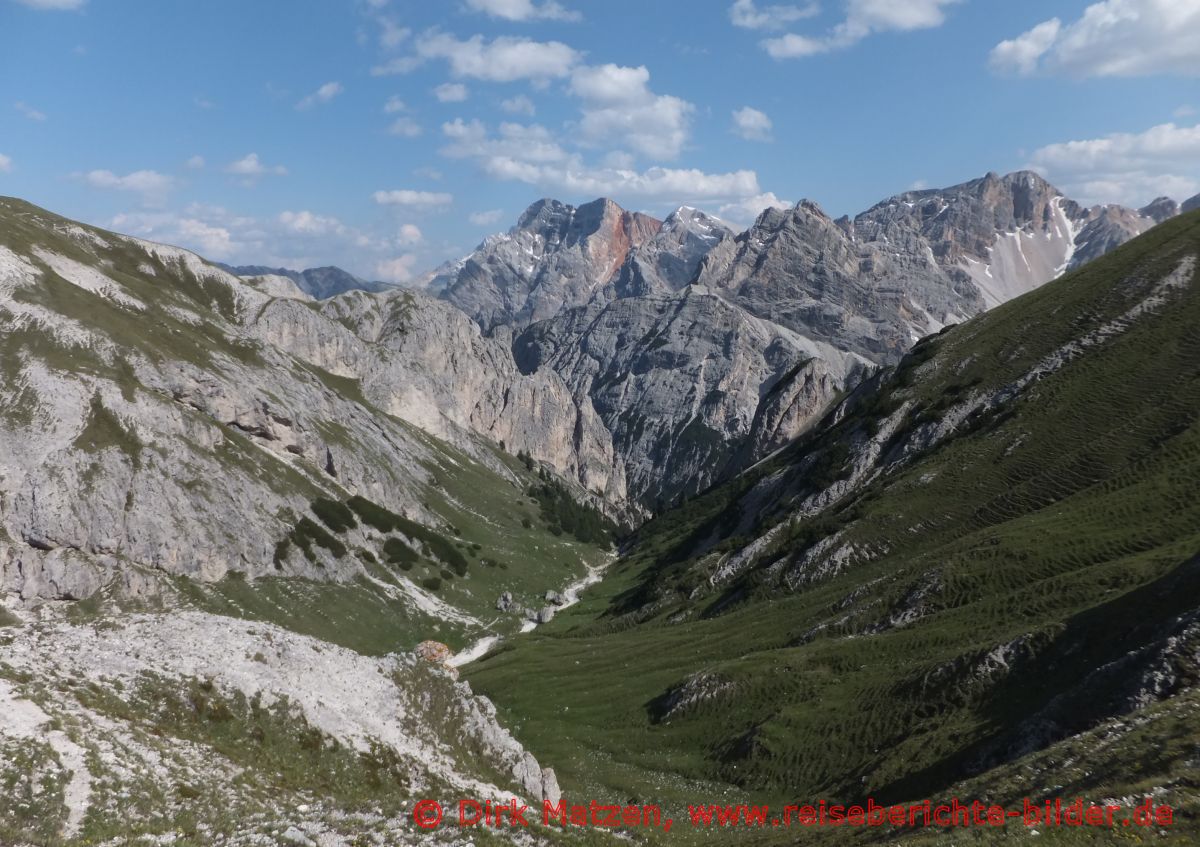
point(1062, 525)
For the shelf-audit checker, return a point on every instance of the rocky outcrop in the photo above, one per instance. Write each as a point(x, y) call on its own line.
point(676, 379)
point(556, 257)
point(915, 262)
point(669, 260)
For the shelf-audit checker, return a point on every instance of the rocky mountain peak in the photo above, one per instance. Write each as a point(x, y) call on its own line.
point(1160, 209)
point(1191, 204)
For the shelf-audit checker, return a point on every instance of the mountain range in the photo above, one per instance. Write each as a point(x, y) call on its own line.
point(904, 502)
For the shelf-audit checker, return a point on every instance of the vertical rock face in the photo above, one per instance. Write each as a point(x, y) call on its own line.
point(556, 257)
point(799, 268)
point(669, 260)
point(675, 379)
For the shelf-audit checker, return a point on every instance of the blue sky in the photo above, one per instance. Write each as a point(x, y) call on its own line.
point(386, 136)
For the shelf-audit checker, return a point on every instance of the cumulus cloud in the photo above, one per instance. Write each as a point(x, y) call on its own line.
point(527, 143)
point(488, 218)
point(1129, 168)
point(195, 163)
point(324, 94)
point(666, 185)
point(397, 270)
point(292, 239)
point(504, 59)
point(391, 34)
point(394, 105)
point(1022, 54)
point(1111, 38)
point(405, 127)
point(618, 103)
point(409, 235)
point(863, 18)
point(29, 112)
point(251, 167)
point(308, 223)
point(524, 10)
point(451, 92)
point(752, 125)
point(748, 15)
point(151, 185)
point(746, 211)
point(5, 164)
point(519, 105)
point(530, 154)
point(408, 197)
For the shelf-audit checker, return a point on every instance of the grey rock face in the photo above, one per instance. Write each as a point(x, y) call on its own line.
point(1191, 204)
point(915, 262)
point(676, 379)
point(159, 415)
point(556, 257)
point(670, 260)
point(804, 271)
point(1159, 209)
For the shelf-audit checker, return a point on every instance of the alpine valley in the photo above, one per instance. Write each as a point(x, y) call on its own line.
point(646, 511)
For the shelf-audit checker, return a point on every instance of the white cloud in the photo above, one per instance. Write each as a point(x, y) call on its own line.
point(752, 125)
point(1112, 38)
point(393, 105)
point(307, 223)
point(619, 160)
point(611, 84)
point(504, 59)
point(792, 46)
point(405, 127)
point(428, 173)
point(918, 185)
point(618, 103)
point(293, 239)
point(5, 164)
point(526, 143)
point(399, 269)
point(863, 18)
point(29, 112)
point(53, 4)
point(151, 185)
point(251, 167)
point(324, 94)
point(391, 34)
point(1128, 168)
point(531, 154)
point(748, 15)
point(524, 10)
point(519, 105)
point(408, 197)
point(451, 92)
point(1022, 54)
point(195, 163)
point(747, 210)
point(666, 185)
point(409, 235)
point(1184, 111)
point(488, 218)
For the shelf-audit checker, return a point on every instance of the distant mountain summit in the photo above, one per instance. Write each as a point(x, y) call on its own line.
point(556, 257)
point(318, 283)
